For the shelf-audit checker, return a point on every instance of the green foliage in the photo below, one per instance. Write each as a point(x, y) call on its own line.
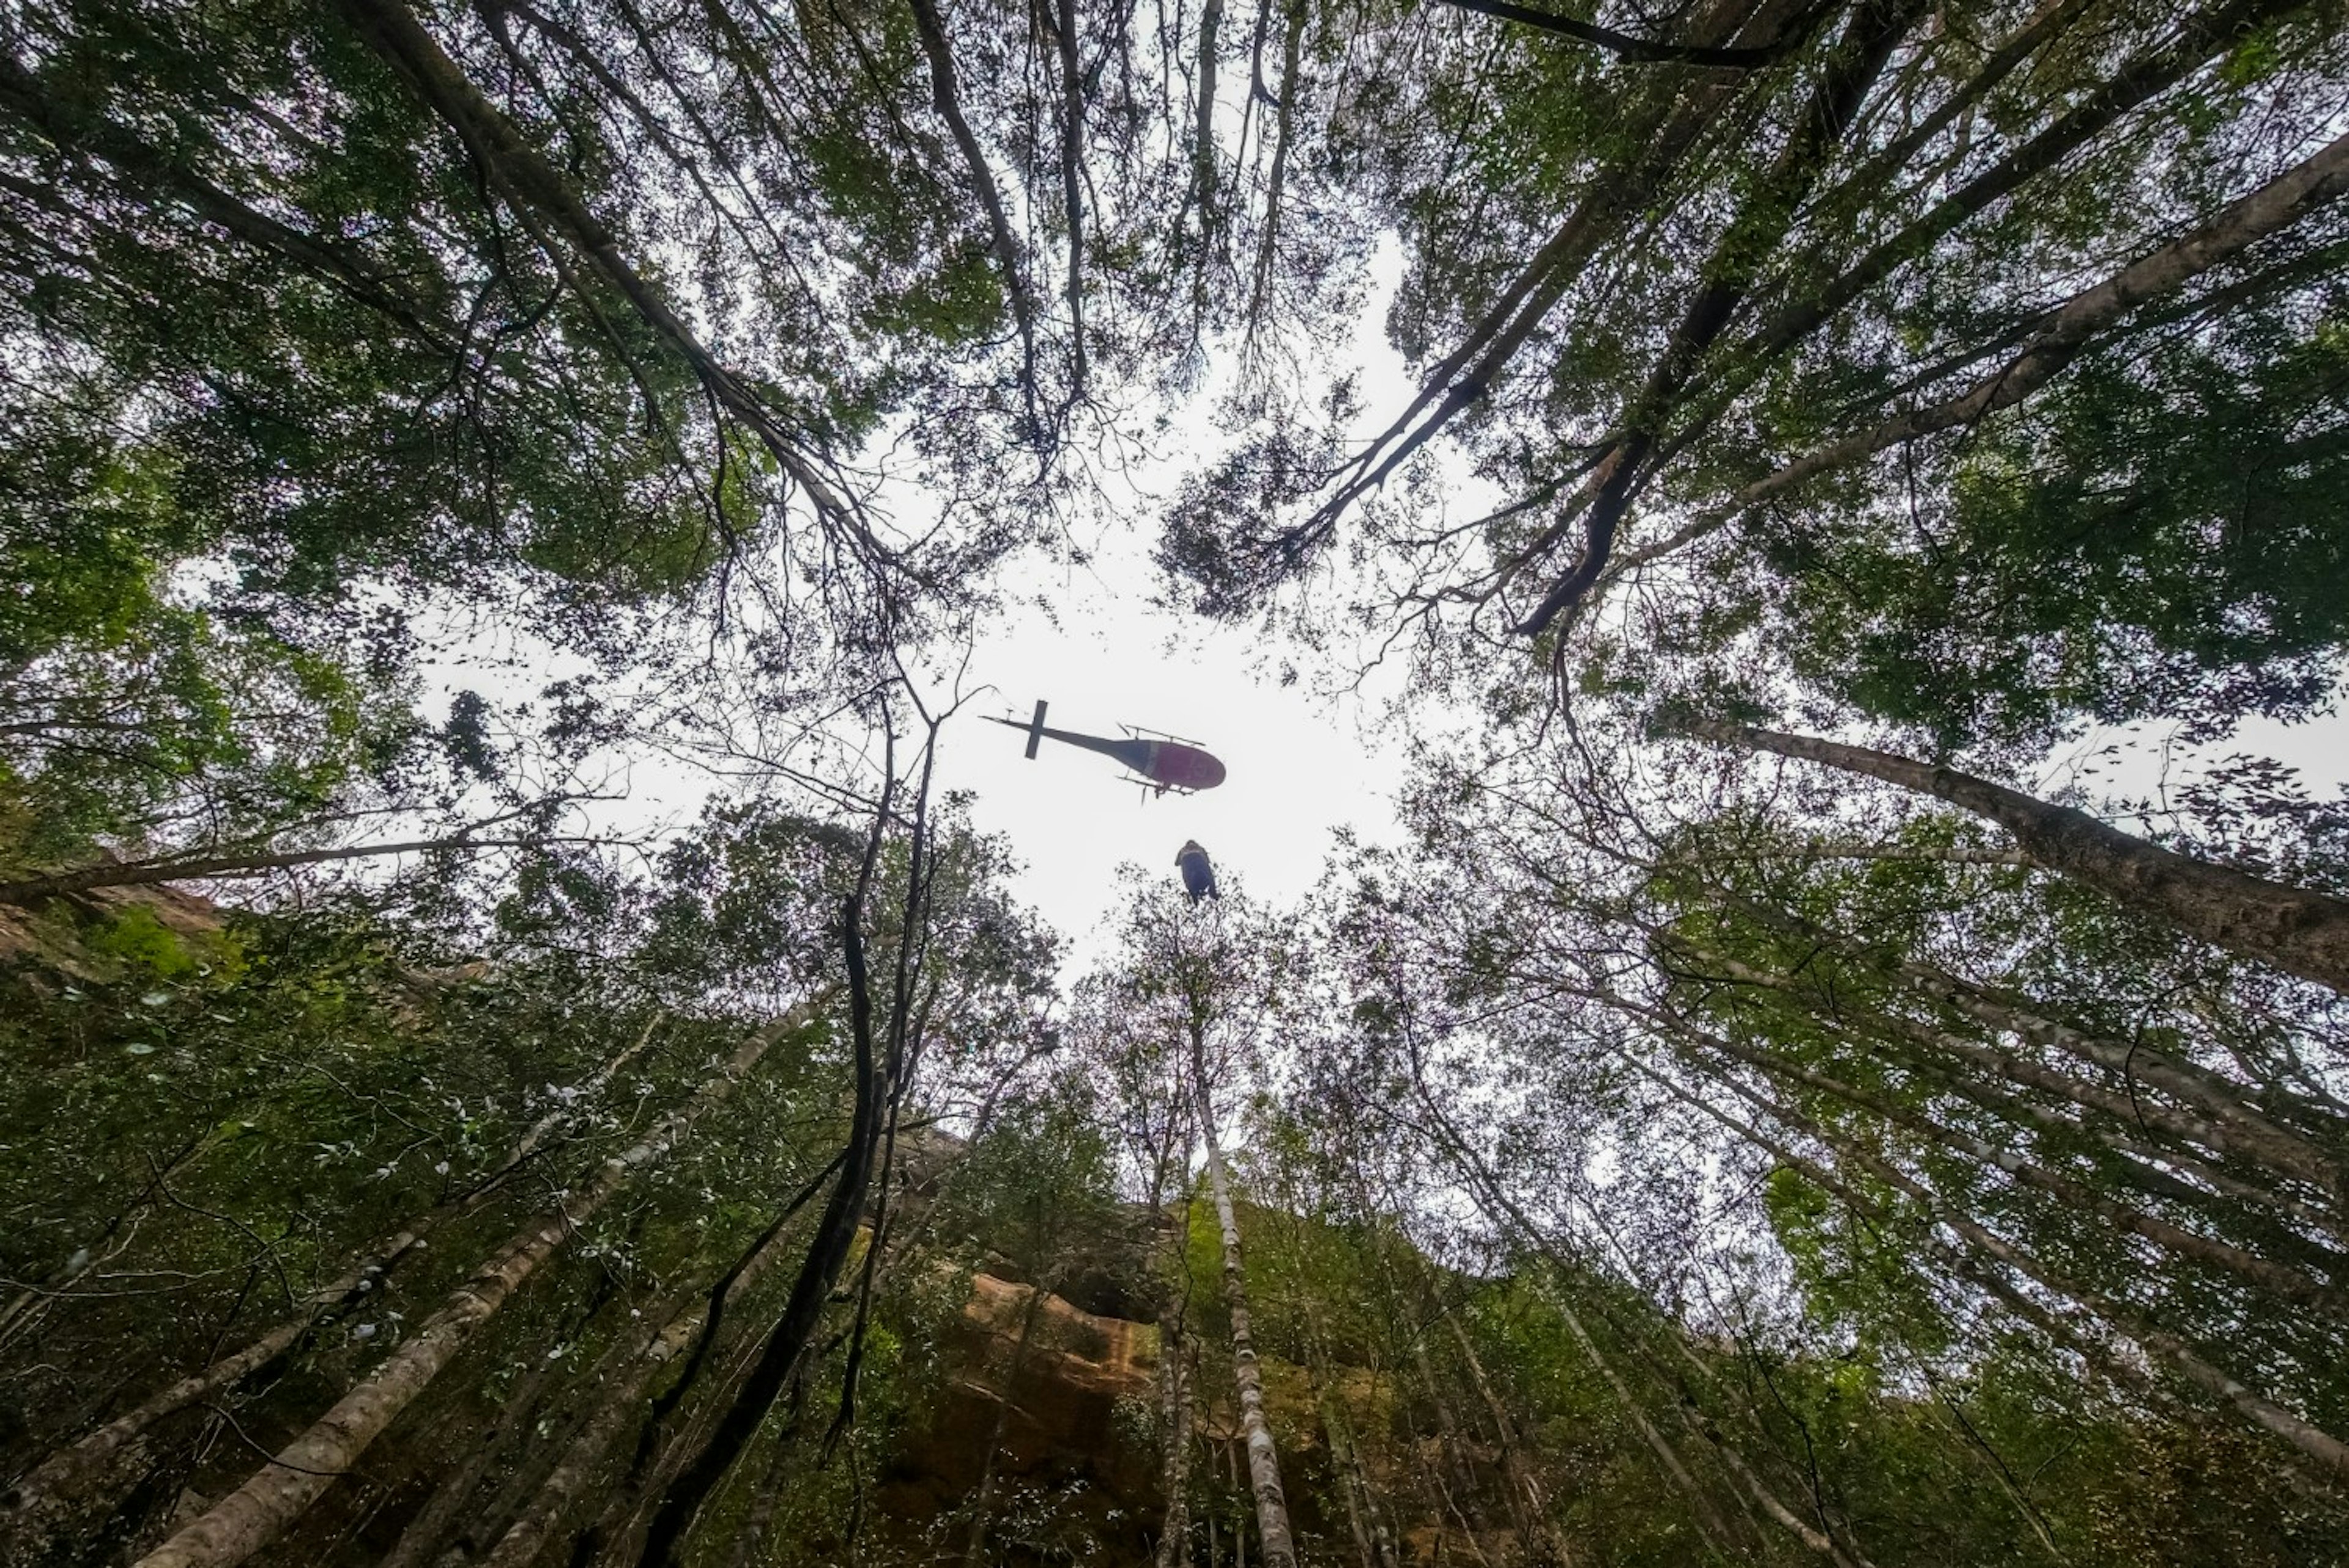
point(2162, 537)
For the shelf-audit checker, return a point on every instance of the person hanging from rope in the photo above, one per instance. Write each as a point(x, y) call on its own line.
point(1198, 876)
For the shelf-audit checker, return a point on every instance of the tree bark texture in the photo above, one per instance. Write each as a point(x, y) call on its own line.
point(1175, 1417)
point(2298, 930)
point(1263, 1458)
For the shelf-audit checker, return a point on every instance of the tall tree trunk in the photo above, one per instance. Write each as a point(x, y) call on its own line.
point(2136, 1162)
point(430, 1525)
point(621, 1404)
point(2294, 1428)
point(1072, 205)
point(257, 863)
point(1819, 1541)
point(1370, 1543)
point(1175, 1412)
point(1543, 1545)
point(260, 1510)
point(2198, 38)
point(2184, 49)
point(2280, 1280)
point(526, 179)
point(946, 98)
point(2212, 1110)
point(1269, 242)
point(2232, 1103)
point(1455, 1444)
point(1263, 1459)
point(1659, 129)
point(75, 1473)
point(706, 1463)
point(2306, 187)
point(2297, 929)
point(1504, 1211)
point(1757, 232)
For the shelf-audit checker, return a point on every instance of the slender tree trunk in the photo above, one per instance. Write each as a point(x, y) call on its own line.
point(1349, 1487)
point(1263, 1459)
point(1810, 1535)
point(2124, 1373)
point(2279, 1280)
point(1202, 189)
point(148, 167)
point(622, 1405)
point(431, 1524)
point(1543, 1545)
point(618, 1403)
point(1751, 1484)
point(525, 177)
point(1761, 224)
point(2297, 929)
point(260, 1510)
point(73, 1473)
point(1631, 47)
point(2214, 1093)
point(699, 1471)
point(1503, 1210)
point(946, 98)
point(2135, 1162)
point(1072, 148)
point(1353, 1486)
point(2302, 1434)
point(1462, 1495)
point(1455, 1446)
point(1268, 243)
point(197, 869)
point(759, 1516)
point(1659, 129)
point(1174, 1411)
point(2283, 202)
point(2217, 1113)
point(2198, 38)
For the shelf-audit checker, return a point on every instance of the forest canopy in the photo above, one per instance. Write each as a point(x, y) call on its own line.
point(1736, 1109)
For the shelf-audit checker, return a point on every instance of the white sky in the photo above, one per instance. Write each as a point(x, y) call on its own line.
point(1299, 766)
point(1300, 763)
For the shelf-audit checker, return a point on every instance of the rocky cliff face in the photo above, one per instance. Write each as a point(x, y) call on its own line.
point(1048, 1425)
point(1047, 1411)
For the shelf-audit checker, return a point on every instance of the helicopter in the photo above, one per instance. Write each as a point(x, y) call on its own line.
point(1159, 762)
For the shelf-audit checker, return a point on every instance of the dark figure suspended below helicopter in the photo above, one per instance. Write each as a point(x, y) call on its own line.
point(1198, 876)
